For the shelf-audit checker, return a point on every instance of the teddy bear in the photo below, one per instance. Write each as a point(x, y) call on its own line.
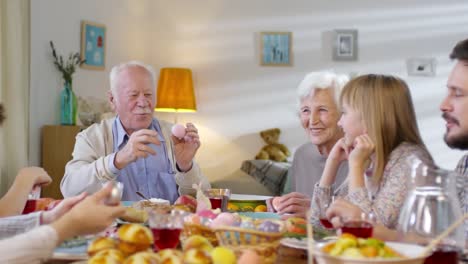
point(273, 150)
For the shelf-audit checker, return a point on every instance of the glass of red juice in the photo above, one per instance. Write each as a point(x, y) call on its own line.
point(166, 228)
point(321, 213)
point(30, 206)
point(444, 253)
point(362, 226)
point(219, 198)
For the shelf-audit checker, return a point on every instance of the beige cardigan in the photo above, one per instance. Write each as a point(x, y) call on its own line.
point(89, 168)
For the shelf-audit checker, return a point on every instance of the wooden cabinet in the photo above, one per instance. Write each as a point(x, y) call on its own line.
point(57, 147)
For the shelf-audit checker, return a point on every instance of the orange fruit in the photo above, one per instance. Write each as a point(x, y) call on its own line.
point(232, 207)
point(261, 208)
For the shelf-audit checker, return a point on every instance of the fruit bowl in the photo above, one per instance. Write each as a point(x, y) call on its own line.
point(247, 203)
point(411, 252)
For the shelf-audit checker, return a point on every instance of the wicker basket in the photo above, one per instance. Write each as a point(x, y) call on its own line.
point(264, 243)
point(196, 229)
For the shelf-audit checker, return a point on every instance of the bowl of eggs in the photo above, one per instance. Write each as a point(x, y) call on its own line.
point(261, 235)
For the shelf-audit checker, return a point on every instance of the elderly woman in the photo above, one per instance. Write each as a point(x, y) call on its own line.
point(318, 97)
point(380, 131)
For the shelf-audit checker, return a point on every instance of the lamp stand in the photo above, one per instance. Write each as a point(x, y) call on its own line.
point(175, 116)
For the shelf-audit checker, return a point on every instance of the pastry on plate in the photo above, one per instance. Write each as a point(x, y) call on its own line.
point(134, 215)
point(153, 204)
point(134, 238)
point(143, 258)
point(106, 258)
point(101, 243)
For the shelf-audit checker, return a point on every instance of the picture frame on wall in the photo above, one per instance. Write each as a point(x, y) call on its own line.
point(421, 66)
point(275, 48)
point(345, 45)
point(93, 45)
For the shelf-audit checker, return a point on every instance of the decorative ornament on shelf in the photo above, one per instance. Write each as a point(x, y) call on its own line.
point(68, 100)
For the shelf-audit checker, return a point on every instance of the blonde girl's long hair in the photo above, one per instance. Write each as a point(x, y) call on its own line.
point(387, 112)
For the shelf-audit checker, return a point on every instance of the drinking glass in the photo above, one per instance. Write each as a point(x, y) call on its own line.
point(430, 208)
point(360, 227)
point(166, 228)
point(219, 198)
point(319, 210)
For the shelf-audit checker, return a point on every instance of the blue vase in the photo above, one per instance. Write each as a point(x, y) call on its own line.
point(68, 105)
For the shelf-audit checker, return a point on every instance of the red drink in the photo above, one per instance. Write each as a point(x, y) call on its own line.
point(219, 202)
point(326, 223)
point(29, 207)
point(358, 228)
point(444, 254)
point(165, 238)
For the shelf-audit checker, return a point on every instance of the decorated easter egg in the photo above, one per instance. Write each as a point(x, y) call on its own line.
point(249, 256)
point(224, 219)
point(269, 226)
point(207, 214)
point(178, 131)
point(248, 224)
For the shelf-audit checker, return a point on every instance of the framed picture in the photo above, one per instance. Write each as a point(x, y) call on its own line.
point(275, 48)
point(93, 45)
point(421, 66)
point(345, 45)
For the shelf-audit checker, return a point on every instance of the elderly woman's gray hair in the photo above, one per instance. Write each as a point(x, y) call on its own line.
point(120, 67)
point(321, 80)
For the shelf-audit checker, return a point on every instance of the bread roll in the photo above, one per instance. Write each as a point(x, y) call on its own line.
point(114, 253)
point(134, 215)
point(104, 260)
point(143, 258)
point(101, 243)
point(134, 238)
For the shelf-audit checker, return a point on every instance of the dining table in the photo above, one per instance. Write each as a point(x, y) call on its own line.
point(285, 255)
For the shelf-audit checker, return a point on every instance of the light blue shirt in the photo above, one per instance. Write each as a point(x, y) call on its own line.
point(153, 176)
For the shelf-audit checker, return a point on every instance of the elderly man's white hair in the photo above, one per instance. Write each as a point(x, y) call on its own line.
point(321, 80)
point(113, 76)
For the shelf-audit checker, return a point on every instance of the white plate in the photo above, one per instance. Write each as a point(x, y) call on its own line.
point(410, 251)
point(294, 242)
point(73, 253)
point(249, 197)
point(301, 243)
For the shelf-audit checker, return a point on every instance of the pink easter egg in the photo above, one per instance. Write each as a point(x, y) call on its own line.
point(178, 131)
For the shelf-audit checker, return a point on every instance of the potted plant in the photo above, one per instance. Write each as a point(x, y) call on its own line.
point(68, 100)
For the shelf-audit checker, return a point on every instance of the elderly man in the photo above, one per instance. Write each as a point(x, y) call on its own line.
point(319, 113)
point(134, 147)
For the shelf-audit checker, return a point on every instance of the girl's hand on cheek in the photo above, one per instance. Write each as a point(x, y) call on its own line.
point(340, 151)
point(363, 149)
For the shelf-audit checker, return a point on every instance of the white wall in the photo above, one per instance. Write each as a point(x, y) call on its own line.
point(218, 40)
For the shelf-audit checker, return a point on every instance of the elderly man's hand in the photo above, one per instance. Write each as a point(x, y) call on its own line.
point(186, 147)
point(137, 147)
point(292, 205)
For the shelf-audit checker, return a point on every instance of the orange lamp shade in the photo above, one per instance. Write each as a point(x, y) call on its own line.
point(175, 91)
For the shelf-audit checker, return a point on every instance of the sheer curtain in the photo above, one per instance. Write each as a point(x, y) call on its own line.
point(14, 88)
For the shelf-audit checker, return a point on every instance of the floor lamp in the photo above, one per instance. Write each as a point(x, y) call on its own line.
point(175, 91)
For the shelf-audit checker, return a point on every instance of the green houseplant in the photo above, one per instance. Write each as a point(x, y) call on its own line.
point(68, 100)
